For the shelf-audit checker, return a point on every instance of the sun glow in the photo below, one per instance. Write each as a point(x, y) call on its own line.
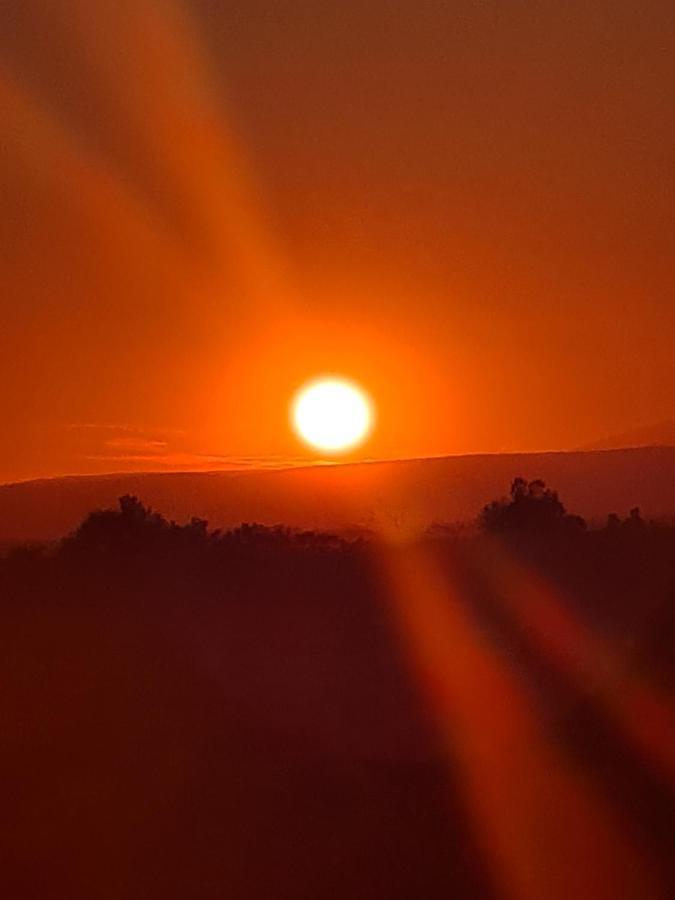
point(332, 414)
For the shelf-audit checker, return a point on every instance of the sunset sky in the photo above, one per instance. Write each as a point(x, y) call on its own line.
point(467, 207)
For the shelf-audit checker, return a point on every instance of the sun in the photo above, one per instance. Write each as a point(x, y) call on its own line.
point(332, 413)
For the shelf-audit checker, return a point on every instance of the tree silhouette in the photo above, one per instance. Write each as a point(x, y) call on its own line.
point(531, 508)
point(133, 528)
point(633, 524)
point(613, 522)
point(635, 521)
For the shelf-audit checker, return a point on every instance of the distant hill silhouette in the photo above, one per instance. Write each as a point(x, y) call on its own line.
point(660, 434)
point(406, 493)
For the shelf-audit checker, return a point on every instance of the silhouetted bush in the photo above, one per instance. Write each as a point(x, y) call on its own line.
point(532, 508)
point(135, 531)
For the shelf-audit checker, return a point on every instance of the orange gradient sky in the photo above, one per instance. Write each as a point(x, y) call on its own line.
point(467, 208)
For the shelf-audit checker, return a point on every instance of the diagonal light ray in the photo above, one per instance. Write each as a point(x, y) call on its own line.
point(151, 77)
point(150, 56)
point(42, 142)
point(645, 716)
point(542, 828)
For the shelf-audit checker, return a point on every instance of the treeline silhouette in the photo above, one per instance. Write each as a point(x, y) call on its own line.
point(196, 712)
point(532, 510)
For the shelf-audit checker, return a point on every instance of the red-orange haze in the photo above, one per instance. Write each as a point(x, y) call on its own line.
point(467, 208)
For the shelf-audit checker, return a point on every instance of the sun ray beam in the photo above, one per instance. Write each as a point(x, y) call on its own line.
point(643, 713)
point(543, 829)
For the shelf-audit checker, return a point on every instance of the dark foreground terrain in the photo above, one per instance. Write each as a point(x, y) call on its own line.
point(266, 714)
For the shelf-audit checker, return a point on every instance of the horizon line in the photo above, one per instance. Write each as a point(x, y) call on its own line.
point(238, 469)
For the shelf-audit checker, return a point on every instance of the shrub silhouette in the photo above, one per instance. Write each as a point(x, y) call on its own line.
point(633, 524)
point(532, 508)
point(133, 528)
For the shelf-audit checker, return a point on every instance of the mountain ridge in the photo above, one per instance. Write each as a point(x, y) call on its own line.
point(369, 493)
point(656, 434)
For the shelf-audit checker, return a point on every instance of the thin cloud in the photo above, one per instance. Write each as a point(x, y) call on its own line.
point(136, 445)
point(122, 429)
point(199, 461)
point(128, 445)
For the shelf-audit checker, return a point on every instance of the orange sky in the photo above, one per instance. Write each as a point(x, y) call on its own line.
point(469, 207)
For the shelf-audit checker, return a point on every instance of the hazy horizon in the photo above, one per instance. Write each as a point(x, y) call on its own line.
point(204, 463)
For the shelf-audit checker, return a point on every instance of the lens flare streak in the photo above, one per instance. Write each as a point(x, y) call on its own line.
point(542, 827)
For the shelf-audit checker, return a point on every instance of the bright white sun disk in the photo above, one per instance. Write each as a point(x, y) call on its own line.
point(332, 414)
